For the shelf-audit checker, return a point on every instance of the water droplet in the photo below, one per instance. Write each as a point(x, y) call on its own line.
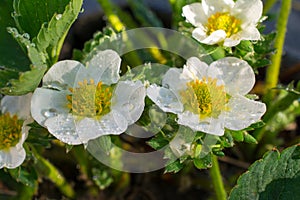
point(56, 85)
point(12, 30)
point(85, 145)
point(82, 10)
point(58, 16)
point(15, 14)
point(50, 113)
point(26, 35)
point(129, 106)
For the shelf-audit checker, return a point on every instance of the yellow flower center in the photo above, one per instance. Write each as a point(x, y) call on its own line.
point(205, 97)
point(90, 100)
point(10, 131)
point(225, 22)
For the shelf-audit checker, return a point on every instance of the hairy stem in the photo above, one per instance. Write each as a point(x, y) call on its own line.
point(217, 181)
point(49, 171)
point(273, 70)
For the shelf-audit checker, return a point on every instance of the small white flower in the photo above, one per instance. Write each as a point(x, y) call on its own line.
point(226, 21)
point(78, 103)
point(15, 115)
point(209, 98)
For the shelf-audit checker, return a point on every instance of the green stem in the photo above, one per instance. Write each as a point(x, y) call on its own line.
point(273, 70)
point(216, 177)
point(48, 170)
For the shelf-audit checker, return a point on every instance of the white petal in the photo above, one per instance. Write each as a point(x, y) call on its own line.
point(181, 144)
point(111, 124)
point(12, 158)
point(199, 33)
point(19, 105)
point(194, 14)
point(128, 99)
point(194, 69)
point(172, 80)
point(248, 11)
point(212, 6)
point(214, 38)
point(209, 125)
point(63, 128)
point(62, 74)
point(165, 99)
point(243, 112)
point(237, 75)
point(249, 33)
point(104, 66)
point(232, 41)
point(48, 103)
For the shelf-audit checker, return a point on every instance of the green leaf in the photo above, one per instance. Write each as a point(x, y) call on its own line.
point(203, 162)
point(104, 143)
point(48, 33)
point(27, 176)
point(51, 36)
point(174, 167)
point(30, 15)
point(227, 140)
point(12, 57)
point(249, 138)
point(276, 176)
point(39, 135)
point(237, 135)
point(102, 178)
point(25, 81)
point(158, 142)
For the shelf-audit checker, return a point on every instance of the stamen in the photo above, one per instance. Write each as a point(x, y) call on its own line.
point(223, 21)
point(10, 131)
point(205, 98)
point(90, 100)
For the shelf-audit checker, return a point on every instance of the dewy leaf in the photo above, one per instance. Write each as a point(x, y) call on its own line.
point(27, 81)
point(27, 176)
point(12, 59)
point(276, 176)
point(51, 37)
point(48, 23)
point(30, 15)
point(174, 167)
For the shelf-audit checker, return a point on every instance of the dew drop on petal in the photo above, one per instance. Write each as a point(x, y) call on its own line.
point(50, 113)
point(129, 106)
point(85, 145)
